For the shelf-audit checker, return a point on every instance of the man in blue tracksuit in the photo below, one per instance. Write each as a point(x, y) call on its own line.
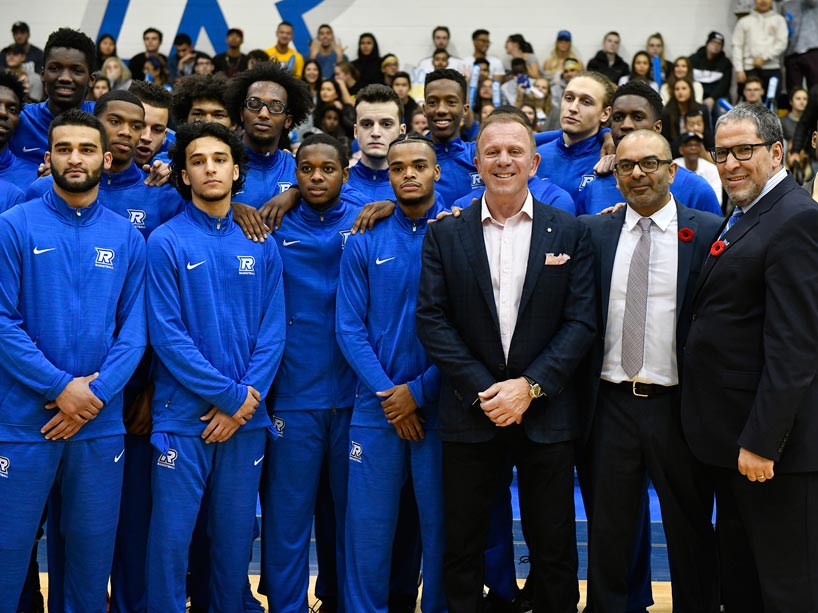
point(67, 249)
point(393, 432)
point(635, 105)
point(69, 61)
point(12, 100)
point(216, 304)
point(310, 402)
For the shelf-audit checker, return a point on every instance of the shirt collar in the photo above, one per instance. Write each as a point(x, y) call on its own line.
point(528, 209)
point(662, 218)
point(768, 187)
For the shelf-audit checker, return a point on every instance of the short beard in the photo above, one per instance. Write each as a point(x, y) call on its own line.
point(416, 201)
point(91, 180)
point(215, 198)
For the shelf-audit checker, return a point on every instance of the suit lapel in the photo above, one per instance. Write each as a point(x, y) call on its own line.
point(686, 250)
point(608, 243)
point(471, 234)
point(543, 233)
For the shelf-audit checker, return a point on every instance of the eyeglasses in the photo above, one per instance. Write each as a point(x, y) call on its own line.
point(646, 165)
point(741, 153)
point(276, 107)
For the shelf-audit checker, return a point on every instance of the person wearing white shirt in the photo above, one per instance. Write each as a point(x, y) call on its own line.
point(481, 41)
point(647, 259)
point(692, 158)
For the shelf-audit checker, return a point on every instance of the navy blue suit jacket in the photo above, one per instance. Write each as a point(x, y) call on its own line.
point(458, 325)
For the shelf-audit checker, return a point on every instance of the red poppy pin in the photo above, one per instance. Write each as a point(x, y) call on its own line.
point(686, 235)
point(717, 248)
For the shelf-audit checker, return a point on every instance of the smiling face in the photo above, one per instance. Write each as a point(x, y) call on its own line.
point(320, 175)
point(311, 73)
point(744, 181)
point(101, 87)
point(444, 109)
point(505, 159)
point(645, 192)
point(66, 78)
point(681, 68)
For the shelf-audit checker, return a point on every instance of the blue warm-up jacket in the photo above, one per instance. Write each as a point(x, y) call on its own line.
point(268, 174)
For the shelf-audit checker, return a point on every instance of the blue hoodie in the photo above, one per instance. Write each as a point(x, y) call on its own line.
point(9, 195)
point(314, 373)
point(15, 170)
point(126, 194)
point(458, 176)
point(30, 140)
point(268, 174)
point(377, 293)
point(570, 166)
point(687, 187)
point(72, 303)
point(542, 189)
point(215, 317)
point(367, 185)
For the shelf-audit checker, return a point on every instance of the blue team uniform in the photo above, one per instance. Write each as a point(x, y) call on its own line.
point(30, 140)
point(377, 292)
point(687, 187)
point(9, 195)
point(310, 404)
point(15, 170)
point(458, 176)
point(216, 322)
point(570, 166)
point(71, 303)
point(268, 174)
point(543, 190)
point(367, 185)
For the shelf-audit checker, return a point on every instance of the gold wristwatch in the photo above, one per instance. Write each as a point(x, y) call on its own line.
point(534, 389)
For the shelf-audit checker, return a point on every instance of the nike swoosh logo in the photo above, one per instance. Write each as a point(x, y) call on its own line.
point(39, 251)
point(117, 458)
point(196, 265)
point(288, 243)
point(30, 149)
point(257, 462)
point(379, 261)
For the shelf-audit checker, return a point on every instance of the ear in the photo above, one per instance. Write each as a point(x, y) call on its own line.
point(355, 130)
point(671, 171)
point(345, 175)
point(107, 160)
point(403, 130)
point(236, 172)
point(535, 163)
point(605, 114)
point(288, 122)
point(437, 173)
point(47, 156)
point(186, 179)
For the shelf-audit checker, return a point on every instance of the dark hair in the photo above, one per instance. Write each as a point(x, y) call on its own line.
point(642, 89)
point(324, 25)
point(182, 39)
point(633, 74)
point(151, 93)
point(335, 86)
point(304, 70)
point(259, 55)
point(402, 74)
point(72, 39)
point(153, 31)
point(324, 139)
point(479, 32)
point(375, 50)
point(796, 90)
point(441, 51)
point(197, 87)
point(410, 138)
point(524, 45)
point(76, 117)
point(611, 33)
point(349, 68)
point(441, 29)
point(13, 82)
point(238, 31)
point(299, 99)
point(448, 74)
point(483, 61)
point(186, 134)
point(375, 93)
point(694, 113)
point(116, 94)
point(285, 23)
point(102, 37)
point(754, 79)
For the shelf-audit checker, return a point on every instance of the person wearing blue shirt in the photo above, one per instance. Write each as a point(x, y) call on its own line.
point(311, 400)
point(569, 160)
point(12, 97)
point(634, 107)
point(217, 328)
point(155, 137)
point(393, 434)
point(266, 102)
point(64, 371)
point(70, 58)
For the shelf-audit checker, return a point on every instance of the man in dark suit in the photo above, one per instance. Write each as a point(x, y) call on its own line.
point(750, 397)
point(647, 259)
point(506, 311)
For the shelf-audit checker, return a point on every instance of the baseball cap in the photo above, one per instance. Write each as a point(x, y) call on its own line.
point(564, 35)
point(715, 36)
point(689, 136)
point(236, 31)
point(20, 26)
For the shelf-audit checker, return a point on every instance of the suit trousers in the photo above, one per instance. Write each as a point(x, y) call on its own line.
point(768, 542)
point(472, 474)
point(631, 436)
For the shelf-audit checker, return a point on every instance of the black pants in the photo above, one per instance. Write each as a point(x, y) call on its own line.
point(632, 436)
point(472, 473)
point(801, 66)
point(768, 542)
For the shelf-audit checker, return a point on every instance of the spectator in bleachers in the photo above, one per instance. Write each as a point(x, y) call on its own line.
point(349, 81)
point(656, 48)
point(713, 69)
point(21, 33)
point(608, 61)
point(326, 49)
point(152, 39)
point(681, 70)
point(519, 48)
point(759, 39)
point(101, 87)
point(389, 68)
point(118, 74)
point(798, 103)
point(801, 58)
point(232, 61)
point(330, 94)
point(563, 49)
point(402, 83)
point(641, 70)
point(481, 41)
point(288, 57)
point(673, 116)
point(368, 62)
point(106, 47)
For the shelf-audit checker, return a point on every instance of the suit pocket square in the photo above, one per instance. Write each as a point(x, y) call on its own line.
point(556, 259)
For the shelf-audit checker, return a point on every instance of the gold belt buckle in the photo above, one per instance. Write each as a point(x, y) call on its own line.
point(635, 383)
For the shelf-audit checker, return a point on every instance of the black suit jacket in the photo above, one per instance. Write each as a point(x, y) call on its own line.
point(752, 350)
point(458, 325)
point(605, 233)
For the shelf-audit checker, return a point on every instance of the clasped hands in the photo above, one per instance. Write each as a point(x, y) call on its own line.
point(505, 402)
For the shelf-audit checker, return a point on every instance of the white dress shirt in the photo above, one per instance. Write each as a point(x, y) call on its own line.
point(507, 247)
point(659, 365)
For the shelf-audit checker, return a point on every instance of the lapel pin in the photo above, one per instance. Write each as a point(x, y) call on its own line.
point(548, 230)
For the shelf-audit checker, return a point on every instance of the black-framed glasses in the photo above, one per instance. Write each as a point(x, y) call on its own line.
point(276, 107)
point(625, 168)
point(742, 153)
